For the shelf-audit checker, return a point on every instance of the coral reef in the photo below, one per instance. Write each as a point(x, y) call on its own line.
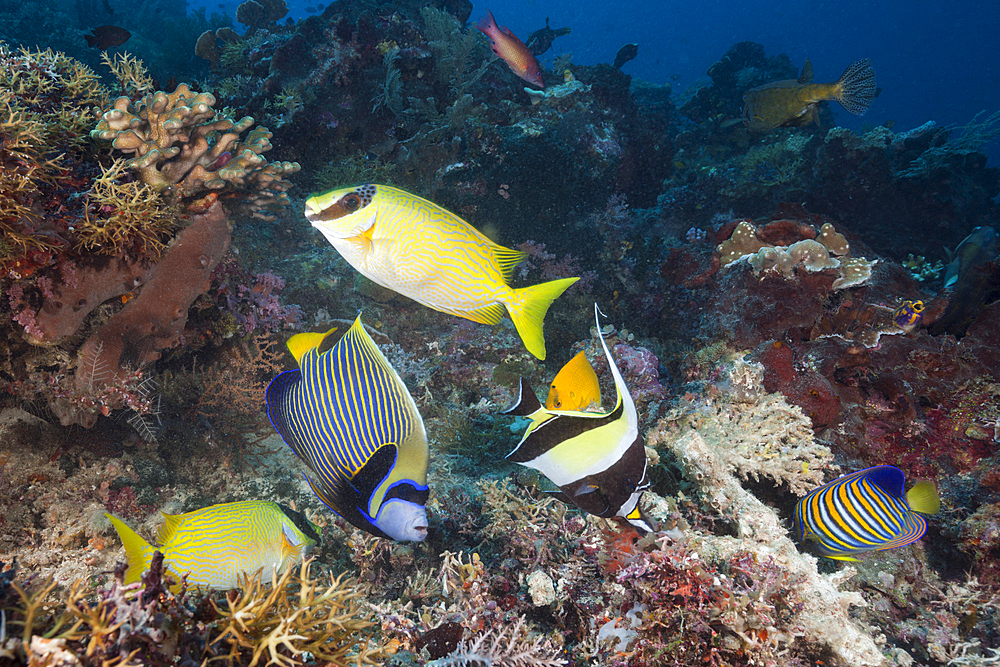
point(149, 256)
point(182, 145)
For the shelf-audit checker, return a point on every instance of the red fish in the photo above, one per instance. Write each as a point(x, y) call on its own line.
point(512, 50)
point(107, 36)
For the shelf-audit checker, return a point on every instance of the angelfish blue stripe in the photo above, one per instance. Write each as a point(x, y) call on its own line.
point(346, 407)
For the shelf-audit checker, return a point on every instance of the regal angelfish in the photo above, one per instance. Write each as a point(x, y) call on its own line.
point(865, 511)
point(598, 460)
point(347, 414)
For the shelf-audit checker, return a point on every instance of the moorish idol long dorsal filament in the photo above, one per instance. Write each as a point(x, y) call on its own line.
point(597, 460)
point(347, 414)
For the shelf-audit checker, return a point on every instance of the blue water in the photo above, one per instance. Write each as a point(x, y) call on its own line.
point(934, 60)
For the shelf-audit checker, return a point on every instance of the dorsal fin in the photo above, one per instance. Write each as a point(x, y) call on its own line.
point(807, 72)
point(169, 527)
point(526, 404)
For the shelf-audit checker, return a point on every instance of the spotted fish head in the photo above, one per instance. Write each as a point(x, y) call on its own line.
point(343, 213)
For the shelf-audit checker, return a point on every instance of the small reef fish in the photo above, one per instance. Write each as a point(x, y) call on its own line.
point(625, 54)
point(106, 36)
point(908, 315)
point(216, 545)
point(512, 51)
point(541, 40)
point(418, 249)
point(865, 511)
point(794, 103)
point(347, 414)
point(597, 460)
point(575, 387)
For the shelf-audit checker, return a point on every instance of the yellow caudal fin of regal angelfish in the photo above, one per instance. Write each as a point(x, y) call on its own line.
point(857, 86)
point(138, 552)
point(923, 498)
point(527, 308)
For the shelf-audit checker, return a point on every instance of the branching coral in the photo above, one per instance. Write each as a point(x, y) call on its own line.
point(283, 626)
point(502, 647)
point(135, 220)
point(46, 102)
point(180, 142)
point(144, 623)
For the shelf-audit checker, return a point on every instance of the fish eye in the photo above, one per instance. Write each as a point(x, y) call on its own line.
point(351, 202)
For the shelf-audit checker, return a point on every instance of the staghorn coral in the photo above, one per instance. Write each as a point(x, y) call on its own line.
point(46, 105)
point(144, 623)
point(179, 142)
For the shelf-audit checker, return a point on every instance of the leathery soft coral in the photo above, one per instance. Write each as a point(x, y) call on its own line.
point(180, 142)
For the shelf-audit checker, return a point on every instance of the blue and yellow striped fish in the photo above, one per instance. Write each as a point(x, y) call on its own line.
point(597, 460)
point(347, 414)
point(865, 511)
point(216, 545)
point(420, 250)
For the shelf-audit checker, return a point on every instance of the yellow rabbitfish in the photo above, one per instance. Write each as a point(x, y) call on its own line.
point(575, 387)
point(216, 545)
point(794, 103)
point(420, 250)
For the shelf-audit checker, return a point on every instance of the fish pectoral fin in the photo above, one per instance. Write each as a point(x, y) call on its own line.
point(585, 488)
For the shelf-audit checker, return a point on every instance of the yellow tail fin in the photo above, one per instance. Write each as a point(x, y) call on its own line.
point(527, 308)
point(138, 551)
point(857, 86)
point(923, 498)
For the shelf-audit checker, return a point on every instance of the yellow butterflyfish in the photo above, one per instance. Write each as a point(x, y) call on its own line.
point(422, 251)
point(575, 387)
point(216, 546)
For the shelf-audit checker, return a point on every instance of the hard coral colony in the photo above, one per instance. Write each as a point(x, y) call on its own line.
point(326, 480)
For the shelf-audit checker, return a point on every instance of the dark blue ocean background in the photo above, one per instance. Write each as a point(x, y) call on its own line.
point(935, 61)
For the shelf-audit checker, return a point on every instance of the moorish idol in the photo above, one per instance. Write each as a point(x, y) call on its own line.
point(597, 460)
point(865, 511)
point(347, 414)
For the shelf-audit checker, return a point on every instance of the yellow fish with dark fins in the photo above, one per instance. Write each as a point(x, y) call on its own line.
point(794, 103)
point(575, 387)
point(418, 249)
point(216, 546)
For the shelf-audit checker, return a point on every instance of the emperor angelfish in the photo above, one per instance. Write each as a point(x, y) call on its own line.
point(418, 249)
point(865, 511)
point(216, 545)
point(597, 460)
point(347, 414)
